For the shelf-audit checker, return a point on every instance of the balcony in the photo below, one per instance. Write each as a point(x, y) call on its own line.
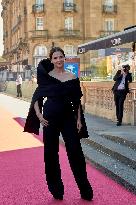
point(25, 10)
point(70, 33)
point(22, 43)
point(39, 34)
point(5, 35)
point(19, 19)
point(69, 7)
point(5, 52)
point(109, 9)
point(18, 22)
point(2, 13)
point(38, 8)
point(107, 33)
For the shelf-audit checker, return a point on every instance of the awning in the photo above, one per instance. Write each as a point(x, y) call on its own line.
point(117, 39)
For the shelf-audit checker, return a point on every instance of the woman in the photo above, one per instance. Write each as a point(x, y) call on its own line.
point(62, 112)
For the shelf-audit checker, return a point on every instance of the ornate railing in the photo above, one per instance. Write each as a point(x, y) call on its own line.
point(69, 7)
point(109, 9)
point(107, 33)
point(98, 99)
point(70, 33)
point(38, 8)
point(18, 22)
point(39, 34)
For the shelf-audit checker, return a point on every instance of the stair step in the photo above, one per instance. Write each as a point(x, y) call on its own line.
point(123, 139)
point(120, 152)
point(118, 171)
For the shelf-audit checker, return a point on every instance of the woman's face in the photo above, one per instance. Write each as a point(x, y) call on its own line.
point(58, 59)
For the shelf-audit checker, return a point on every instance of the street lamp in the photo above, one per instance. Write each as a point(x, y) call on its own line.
point(134, 59)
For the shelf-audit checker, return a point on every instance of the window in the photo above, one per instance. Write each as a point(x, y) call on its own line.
point(109, 2)
point(109, 5)
point(40, 53)
point(109, 25)
point(70, 50)
point(69, 23)
point(39, 2)
point(68, 1)
point(39, 23)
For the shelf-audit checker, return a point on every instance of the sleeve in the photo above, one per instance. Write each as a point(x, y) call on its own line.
point(32, 123)
point(117, 75)
point(83, 133)
point(77, 94)
point(130, 77)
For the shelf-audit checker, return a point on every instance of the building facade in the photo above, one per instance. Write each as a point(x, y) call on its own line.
point(32, 27)
point(106, 17)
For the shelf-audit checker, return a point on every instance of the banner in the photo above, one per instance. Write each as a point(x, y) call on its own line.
point(72, 64)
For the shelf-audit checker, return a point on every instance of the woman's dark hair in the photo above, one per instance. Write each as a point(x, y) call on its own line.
point(56, 49)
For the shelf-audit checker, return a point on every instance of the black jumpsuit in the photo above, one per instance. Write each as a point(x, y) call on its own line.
point(60, 109)
point(60, 113)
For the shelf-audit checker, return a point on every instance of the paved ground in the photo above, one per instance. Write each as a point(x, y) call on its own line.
point(21, 158)
point(100, 125)
point(105, 126)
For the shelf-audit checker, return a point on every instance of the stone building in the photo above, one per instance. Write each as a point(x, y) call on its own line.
point(32, 27)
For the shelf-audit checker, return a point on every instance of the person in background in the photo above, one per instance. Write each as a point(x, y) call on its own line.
point(61, 113)
point(18, 85)
point(33, 79)
point(120, 89)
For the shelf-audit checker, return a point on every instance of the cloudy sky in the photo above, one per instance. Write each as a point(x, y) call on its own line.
point(1, 31)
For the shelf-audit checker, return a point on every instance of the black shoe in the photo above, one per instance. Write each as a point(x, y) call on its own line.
point(87, 194)
point(119, 123)
point(87, 197)
point(58, 196)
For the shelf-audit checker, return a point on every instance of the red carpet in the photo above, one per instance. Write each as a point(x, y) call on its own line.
point(22, 182)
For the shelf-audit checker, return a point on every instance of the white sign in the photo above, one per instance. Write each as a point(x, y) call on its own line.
point(81, 50)
point(116, 41)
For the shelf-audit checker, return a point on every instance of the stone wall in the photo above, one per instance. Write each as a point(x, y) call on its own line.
point(97, 99)
point(28, 87)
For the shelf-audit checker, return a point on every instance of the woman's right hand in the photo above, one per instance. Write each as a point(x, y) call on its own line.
point(42, 120)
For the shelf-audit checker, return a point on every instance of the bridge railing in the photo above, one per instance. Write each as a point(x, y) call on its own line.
point(98, 100)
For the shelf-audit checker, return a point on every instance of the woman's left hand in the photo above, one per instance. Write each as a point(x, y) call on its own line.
point(79, 125)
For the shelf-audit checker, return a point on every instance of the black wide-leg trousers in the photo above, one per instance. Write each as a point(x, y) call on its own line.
point(74, 152)
point(119, 98)
point(19, 91)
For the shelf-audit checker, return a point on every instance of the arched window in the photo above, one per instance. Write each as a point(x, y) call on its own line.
point(40, 52)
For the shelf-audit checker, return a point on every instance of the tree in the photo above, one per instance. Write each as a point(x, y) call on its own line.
point(102, 68)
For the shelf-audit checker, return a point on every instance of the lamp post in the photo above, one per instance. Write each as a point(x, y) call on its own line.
point(134, 60)
point(17, 62)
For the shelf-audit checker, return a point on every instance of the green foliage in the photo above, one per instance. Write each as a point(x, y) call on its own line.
point(102, 68)
point(2, 59)
point(98, 69)
point(85, 78)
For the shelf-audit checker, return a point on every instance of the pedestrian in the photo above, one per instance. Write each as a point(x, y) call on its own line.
point(120, 90)
point(33, 79)
point(62, 113)
point(18, 85)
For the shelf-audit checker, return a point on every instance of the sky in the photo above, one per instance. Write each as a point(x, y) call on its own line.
point(1, 32)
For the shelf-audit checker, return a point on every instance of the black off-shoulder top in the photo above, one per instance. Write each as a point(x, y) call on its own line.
point(49, 86)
